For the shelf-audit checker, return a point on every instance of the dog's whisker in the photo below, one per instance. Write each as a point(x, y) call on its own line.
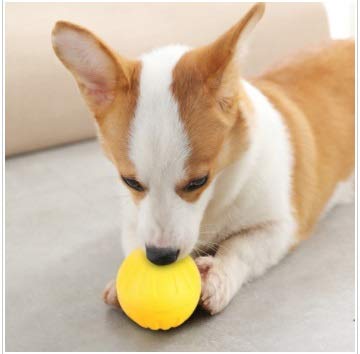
point(213, 246)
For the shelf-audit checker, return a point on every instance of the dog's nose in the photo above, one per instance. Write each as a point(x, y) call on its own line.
point(161, 256)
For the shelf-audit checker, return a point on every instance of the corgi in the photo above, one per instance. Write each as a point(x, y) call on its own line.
point(234, 172)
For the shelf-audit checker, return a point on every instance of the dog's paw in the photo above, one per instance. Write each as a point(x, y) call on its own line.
point(215, 287)
point(109, 294)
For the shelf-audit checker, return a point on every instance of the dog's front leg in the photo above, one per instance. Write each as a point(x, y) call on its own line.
point(241, 258)
point(109, 294)
point(129, 243)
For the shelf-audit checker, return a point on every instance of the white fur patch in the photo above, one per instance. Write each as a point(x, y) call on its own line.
point(254, 191)
point(257, 187)
point(250, 215)
point(158, 144)
point(159, 149)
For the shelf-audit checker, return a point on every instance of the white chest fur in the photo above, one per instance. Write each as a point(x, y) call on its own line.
point(257, 188)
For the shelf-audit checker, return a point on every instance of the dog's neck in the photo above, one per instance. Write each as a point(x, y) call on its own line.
point(234, 183)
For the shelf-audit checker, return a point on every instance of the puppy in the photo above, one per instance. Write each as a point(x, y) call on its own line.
point(236, 171)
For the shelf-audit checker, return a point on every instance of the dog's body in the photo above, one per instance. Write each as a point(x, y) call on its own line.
point(239, 170)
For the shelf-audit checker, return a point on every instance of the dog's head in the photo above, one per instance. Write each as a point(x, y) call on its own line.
point(169, 121)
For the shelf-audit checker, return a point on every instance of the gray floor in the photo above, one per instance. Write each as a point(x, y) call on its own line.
point(62, 246)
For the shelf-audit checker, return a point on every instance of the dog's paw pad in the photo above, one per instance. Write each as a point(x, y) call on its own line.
point(109, 294)
point(215, 294)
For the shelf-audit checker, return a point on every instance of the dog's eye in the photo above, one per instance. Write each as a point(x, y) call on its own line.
point(195, 184)
point(133, 183)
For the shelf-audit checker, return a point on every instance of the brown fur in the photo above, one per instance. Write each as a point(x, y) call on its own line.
point(205, 84)
point(114, 104)
point(114, 130)
point(206, 87)
point(208, 125)
point(315, 95)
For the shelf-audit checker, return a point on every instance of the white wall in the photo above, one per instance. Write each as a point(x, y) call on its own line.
point(342, 18)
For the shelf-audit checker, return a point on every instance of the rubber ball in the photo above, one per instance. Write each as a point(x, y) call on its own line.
point(158, 297)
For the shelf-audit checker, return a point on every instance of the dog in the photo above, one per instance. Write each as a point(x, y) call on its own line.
point(234, 172)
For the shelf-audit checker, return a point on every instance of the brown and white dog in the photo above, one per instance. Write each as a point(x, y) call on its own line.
point(241, 170)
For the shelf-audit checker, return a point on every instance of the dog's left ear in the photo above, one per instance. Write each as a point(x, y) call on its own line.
point(209, 63)
point(213, 69)
point(215, 57)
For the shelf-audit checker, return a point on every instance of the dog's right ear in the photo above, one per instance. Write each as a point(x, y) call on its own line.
point(100, 73)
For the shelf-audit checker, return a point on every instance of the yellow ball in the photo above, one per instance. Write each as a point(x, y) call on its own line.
point(158, 297)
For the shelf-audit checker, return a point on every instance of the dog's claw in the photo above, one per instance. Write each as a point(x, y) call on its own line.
point(109, 294)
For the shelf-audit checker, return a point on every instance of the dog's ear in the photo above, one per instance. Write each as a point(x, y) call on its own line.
point(100, 73)
point(213, 60)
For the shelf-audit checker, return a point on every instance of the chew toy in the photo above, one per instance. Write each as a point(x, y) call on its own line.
point(158, 297)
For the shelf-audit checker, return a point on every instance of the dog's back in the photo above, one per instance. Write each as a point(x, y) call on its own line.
point(315, 95)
